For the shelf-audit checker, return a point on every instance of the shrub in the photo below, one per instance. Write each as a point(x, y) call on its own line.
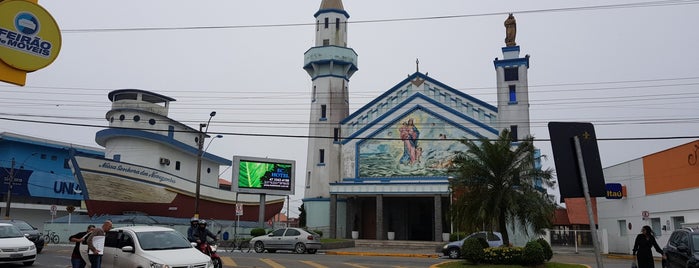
point(533, 254)
point(548, 252)
point(472, 251)
point(457, 236)
point(484, 243)
point(257, 232)
point(503, 255)
point(319, 232)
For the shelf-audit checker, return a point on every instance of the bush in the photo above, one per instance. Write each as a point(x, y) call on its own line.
point(548, 252)
point(457, 236)
point(472, 251)
point(319, 232)
point(503, 255)
point(484, 243)
point(533, 254)
point(257, 232)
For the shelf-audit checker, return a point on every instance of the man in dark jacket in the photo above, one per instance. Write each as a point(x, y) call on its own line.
point(75, 259)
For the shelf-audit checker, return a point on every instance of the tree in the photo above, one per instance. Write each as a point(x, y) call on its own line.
point(497, 183)
point(302, 216)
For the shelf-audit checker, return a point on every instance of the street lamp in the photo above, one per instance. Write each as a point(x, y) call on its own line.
point(200, 152)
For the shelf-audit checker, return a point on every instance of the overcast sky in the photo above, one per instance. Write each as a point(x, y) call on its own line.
point(629, 67)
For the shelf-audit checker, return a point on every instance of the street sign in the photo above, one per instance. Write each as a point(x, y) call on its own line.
point(239, 209)
point(564, 154)
point(54, 209)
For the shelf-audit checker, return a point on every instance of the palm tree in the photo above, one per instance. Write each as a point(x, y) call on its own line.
point(495, 183)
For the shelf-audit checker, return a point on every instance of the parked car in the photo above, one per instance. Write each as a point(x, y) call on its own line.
point(295, 239)
point(30, 232)
point(149, 246)
point(453, 249)
point(15, 247)
point(682, 248)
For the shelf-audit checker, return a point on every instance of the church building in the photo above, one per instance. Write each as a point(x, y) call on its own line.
point(381, 171)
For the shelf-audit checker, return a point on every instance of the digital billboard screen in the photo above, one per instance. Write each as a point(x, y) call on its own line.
point(263, 175)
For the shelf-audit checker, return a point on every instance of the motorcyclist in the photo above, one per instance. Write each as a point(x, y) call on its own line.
point(201, 233)
point(194, 224)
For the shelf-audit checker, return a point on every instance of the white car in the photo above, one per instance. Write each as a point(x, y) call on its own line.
point(295, 239)
point(453, 249)
point(149, 246)
point(15, 247)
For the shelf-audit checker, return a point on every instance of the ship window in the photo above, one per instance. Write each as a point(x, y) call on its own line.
point(54, 158)
point(308, 180)
point(117, 157)
point(177, 165)
point(321, 156)
point(151, 121)
point(513, 94)
point(317, 25)
point(43, 156)
point(65, 164)
point(136, 118)
point(336, 136)
point(326, 42)
point(323, 111)
point(337, 24)
point(208, 170)
point(513, 133)
point(327, 21)
point(122, 117)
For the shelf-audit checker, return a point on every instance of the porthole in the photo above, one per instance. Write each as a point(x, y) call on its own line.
point(208, 170)
point(136, 118)
point(151, 121)
point(122, 117)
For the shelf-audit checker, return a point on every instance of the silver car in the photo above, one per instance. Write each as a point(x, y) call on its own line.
point(295, 239)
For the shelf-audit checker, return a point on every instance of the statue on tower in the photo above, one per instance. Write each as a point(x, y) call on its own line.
point(510, 31)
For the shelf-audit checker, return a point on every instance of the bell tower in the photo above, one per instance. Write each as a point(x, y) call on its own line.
point(330, 63)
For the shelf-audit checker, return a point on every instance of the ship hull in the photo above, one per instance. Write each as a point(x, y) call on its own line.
point(116, 188)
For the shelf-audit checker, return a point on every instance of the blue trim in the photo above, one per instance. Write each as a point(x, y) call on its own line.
point(510, 49)
point(363, 180)
point(430, 100)
point(330, 75)
point(331, 10)
point(78, 173)
point(47, 143)
point(511, 62)
point(103, 135)
point(320, 164)
point(427, 79)
point(323, 119)
point(316, 199)
point(512, 102)
point(336, 62)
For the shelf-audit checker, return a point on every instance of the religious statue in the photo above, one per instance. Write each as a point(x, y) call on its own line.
point(510, 31)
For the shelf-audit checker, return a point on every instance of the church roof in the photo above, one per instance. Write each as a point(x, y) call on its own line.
point(332, 4)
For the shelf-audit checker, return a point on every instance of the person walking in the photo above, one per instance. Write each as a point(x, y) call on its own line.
point(95, 244)
point(645, 242)
point(75, 259)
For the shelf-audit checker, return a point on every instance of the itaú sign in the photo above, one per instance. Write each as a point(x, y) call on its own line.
point(614, 190)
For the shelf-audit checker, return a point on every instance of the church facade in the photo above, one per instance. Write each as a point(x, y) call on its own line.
point(381, 171)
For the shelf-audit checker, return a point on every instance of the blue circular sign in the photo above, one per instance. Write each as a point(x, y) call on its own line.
point(27, 23)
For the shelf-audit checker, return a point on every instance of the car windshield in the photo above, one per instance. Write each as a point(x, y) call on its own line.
point(695, 242)
point(21, 225)
point(162, 240)
point(9, 232)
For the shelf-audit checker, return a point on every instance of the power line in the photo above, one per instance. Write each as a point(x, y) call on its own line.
point(441, 17)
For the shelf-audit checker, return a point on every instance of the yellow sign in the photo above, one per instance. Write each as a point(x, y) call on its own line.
point(29, 36)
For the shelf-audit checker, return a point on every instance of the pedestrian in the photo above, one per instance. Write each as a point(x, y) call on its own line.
point(95, 244)
point(645, 242)
point(75, 259)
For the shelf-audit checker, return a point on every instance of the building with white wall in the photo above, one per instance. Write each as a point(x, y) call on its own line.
point(661, 191)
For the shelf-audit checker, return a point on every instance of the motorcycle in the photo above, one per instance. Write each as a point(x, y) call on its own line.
point(209, 249)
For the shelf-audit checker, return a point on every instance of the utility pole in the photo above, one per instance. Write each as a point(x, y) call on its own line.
point(10, 181)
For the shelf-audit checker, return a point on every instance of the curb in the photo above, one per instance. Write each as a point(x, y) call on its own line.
point(383, 254)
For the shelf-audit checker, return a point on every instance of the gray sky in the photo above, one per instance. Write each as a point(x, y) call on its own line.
point(628, 69)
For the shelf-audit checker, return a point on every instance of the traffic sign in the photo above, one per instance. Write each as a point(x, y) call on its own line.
point(54, 209)
point(239, 209)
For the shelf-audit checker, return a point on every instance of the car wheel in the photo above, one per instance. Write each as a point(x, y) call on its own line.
point(454, 253)
point(259, 247)
point(217, 262)
point(300, 248)
point(311, 251)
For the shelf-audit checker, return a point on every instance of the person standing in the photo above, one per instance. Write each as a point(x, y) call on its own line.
point(75, 259)
point(95, 244)
point(645, 242)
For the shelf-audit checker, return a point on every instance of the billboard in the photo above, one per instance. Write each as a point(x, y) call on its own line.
point(263, 175)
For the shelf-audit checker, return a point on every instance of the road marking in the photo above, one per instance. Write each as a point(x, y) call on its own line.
point(316, 265)
point(355, 265)
point(228, 261)
point(272, 263)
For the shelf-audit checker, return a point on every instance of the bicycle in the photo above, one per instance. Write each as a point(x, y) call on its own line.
point(51, 237)
point(241, 244)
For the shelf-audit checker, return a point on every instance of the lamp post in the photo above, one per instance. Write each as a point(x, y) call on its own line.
point(10, 181)
point(200, 152)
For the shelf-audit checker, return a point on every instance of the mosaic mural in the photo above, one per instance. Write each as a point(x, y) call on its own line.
point(416, 145)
